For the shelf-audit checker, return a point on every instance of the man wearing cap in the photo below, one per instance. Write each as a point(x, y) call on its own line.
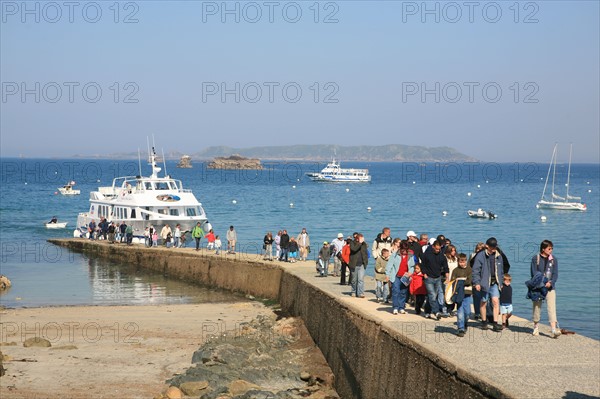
point(337, 245)
point(413, 244)
point(324, 255)
point(488, 275)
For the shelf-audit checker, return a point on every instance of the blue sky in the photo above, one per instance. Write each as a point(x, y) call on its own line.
point(499, 81)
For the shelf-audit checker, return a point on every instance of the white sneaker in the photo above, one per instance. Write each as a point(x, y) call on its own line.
point(535, 332)
point(555, 333)
point(395, 311)
point(402, 311)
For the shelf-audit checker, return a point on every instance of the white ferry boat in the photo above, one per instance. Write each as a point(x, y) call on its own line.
point(143, 201)
point(333, 172)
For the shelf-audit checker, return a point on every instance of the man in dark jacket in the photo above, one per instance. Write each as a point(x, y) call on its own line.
point(359, 259)
point(434, 265)
point(284, 243)
point(488, 274)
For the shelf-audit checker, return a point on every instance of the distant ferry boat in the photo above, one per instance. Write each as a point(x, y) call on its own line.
point(333, 172)
point(143, 201)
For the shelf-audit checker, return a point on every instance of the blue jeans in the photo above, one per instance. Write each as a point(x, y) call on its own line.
point(284, 254)
point(463, 311)
point(381, 292)
point(323, 267)
point(440, 296)
point(358, 280)
point(399, 294)
point(433, 286)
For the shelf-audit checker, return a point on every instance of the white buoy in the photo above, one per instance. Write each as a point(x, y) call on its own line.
point(234, 202)
point(97, 180)
point(543, 218)
point(291, 204)
point(293, 186)
point(590, 190)
point(414, 182)
point(297, 179)
point(25, 183)
point(444, 213)
point(347, 190)
point(588, 182)
point(368, 209)
point(487, 181)
point(478, 186)
point(469, 194)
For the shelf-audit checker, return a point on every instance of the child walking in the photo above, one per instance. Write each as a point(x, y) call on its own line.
point(217, 245)
point(463, 308)
point(382, 290)
point(506, 307)
point(417, 288)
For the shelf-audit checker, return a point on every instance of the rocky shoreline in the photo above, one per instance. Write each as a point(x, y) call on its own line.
point(264, 358)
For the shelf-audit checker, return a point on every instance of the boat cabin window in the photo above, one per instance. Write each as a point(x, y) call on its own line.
point(133, 214)
point(190, 211)
point(148, 185)
point(174, 212)
point(162, 211)
point(162, 186)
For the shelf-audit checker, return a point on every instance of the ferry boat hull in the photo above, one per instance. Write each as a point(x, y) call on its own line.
point(334, 173)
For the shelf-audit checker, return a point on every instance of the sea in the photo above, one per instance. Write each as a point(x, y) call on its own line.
point(430, 198)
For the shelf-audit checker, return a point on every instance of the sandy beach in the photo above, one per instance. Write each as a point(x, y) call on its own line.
point(108, 352)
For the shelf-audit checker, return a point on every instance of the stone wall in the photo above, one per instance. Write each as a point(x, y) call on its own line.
point(367, 358)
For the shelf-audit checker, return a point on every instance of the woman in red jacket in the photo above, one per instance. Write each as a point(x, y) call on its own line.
point(417, 288)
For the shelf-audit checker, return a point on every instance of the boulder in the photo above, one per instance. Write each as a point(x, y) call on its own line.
point(4, 282)
point(193, 388)
point(240, 387)
point(173, 393)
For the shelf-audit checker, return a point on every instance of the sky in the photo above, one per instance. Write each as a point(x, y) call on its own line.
point(499, 81)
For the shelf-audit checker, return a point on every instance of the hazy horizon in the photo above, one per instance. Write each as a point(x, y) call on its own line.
point(497, 81)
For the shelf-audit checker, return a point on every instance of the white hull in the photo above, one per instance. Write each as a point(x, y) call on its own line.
point(338, 178)
point(565, 206)
point(69, 192)
point(60, 225)
point(481, 214)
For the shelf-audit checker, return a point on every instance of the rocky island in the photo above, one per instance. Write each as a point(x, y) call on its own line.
point(185, 162)
point(235, 161)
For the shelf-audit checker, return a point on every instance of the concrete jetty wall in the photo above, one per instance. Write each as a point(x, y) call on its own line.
point(368, 349)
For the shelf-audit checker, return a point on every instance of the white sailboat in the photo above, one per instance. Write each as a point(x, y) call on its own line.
point(570, 203)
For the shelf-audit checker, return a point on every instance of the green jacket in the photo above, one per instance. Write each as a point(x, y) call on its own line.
point(197, 232)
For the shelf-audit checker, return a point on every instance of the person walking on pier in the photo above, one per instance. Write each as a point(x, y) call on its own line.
point(303, 241)
point(284, 242)
point(268, 246)
point(338, 244)
point(546, 264)
point(197, 234)
point(177, 236)
point(434, 265)
point(231, 240)
point(488, 273)
point(359, 259)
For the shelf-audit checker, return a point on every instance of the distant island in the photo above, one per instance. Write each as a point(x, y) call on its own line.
point(185, 162)
point(363, 153)
point(235, 161)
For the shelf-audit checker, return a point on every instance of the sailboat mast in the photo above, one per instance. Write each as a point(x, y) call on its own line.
point(548, 175)
point(554, 170)
point(569, 173)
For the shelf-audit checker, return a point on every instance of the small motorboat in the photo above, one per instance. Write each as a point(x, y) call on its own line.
point(55, 224)
point(481, 214)
point(68, 189)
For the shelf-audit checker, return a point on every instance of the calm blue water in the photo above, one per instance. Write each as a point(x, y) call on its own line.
point(402, 196)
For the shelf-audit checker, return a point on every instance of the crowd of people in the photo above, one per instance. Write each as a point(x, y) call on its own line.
point(429, 275)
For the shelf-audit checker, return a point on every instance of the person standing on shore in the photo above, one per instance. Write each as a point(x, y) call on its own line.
point(284, 242)
point(217, 245)
point(324, 255)
point(197, 234)
point(345, 262)
point(381, 279)
point(383, 240)
point(277, 241)
point(303, 241)
point(547, 264)
point(111, 233)
point(231, 240)
point(210, 237)
point(122, 228)
point(359, 259)
point(463, 305)
point(399, 269)
point(488, 272)
point(129, 234)
point(165, 233)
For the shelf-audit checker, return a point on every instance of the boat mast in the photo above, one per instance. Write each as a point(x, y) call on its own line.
point(554, 170)
point(548, 175)
point(569, 171)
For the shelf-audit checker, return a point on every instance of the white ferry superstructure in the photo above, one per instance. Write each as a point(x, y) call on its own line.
point(144, 201)
point(333, 172)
